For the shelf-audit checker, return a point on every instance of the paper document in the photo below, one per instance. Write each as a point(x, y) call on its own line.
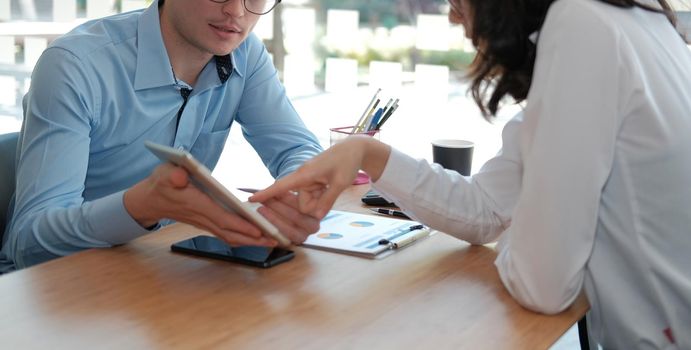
point(365, 235)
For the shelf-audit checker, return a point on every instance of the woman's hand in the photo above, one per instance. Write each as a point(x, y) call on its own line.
point(320, 181)
point(283, 212)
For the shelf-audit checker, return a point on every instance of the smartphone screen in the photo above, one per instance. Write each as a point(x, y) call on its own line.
point(212, 247)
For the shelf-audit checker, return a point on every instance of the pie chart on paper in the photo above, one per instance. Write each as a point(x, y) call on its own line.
point(361, 224)
point(329, 235)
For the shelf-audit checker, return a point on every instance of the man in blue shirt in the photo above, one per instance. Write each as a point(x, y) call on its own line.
point(178, 73)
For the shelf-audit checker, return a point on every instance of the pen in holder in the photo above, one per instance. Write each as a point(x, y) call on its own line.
point(337, 135)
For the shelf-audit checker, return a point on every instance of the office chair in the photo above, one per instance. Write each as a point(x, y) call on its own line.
point(8, 153)
point(583, 338)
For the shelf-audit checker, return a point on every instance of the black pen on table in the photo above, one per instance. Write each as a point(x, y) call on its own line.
point(390, 212)
point(248, 190)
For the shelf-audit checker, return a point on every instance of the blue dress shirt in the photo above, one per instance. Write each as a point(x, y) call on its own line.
point(97, 94)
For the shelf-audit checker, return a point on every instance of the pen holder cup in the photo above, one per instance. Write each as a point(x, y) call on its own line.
point(337, 135)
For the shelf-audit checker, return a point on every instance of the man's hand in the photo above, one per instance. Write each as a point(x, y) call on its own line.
point(168, 193)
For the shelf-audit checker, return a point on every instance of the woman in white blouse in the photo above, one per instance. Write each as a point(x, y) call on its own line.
point(592, 188)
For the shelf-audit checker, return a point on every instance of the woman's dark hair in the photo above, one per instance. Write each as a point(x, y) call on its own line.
point(506, 55)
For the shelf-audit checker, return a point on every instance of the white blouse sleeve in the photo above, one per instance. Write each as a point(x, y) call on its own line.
point(567, 142)
point(476, 209)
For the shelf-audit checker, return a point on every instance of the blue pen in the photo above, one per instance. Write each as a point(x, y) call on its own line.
point(375, 119)
point(387, 115)
point(387, 107)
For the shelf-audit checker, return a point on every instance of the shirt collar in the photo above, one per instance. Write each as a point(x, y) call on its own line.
point(211, 76)
point(234, 64)
point(153, 65)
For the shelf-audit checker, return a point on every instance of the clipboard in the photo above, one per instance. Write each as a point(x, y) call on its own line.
point(368, 236)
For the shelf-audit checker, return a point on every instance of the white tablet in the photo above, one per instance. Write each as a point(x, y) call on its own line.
point(201, 177)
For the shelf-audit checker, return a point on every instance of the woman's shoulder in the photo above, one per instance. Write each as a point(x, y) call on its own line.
point(580, 12)
point(581, 22)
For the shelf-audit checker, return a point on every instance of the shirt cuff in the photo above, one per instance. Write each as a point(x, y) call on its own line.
point(398, 177)
point(111, 222)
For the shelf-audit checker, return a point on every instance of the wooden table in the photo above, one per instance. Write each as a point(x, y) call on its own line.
point(440, 293)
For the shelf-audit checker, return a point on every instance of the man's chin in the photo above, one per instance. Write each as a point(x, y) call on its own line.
point(224, 50)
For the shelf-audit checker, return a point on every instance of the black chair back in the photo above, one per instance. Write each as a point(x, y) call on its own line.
point(8, 153)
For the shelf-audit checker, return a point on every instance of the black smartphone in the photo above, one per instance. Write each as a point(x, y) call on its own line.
point(374, 198)
point(212, 247)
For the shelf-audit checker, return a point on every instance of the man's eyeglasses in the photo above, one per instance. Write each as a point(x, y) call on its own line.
point(258, 7)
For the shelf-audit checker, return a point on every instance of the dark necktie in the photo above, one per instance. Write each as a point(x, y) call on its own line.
point(185, 93)
point(223, 67)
